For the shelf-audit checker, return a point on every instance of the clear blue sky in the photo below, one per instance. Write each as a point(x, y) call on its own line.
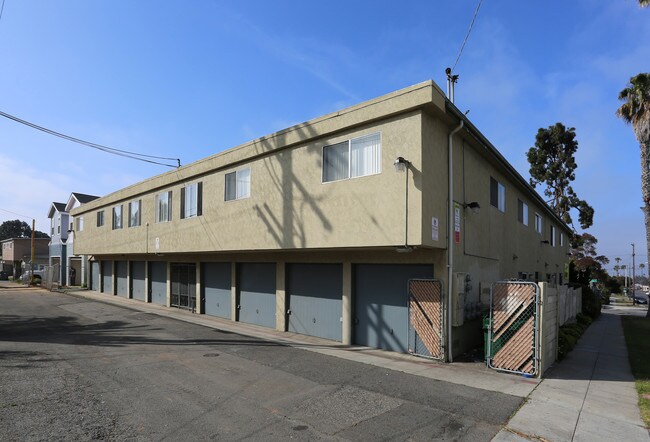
point(189, 79)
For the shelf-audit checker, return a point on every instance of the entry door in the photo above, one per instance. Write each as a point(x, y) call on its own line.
point(158, 282)
point(107, 275)
point(94, 277)
point(183, 290)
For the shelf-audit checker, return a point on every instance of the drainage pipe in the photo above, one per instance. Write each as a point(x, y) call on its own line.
point(450, 240)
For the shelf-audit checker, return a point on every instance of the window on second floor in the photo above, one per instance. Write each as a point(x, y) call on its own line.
point(192, 200)
point(522, 212)
point(79, 221)
point(238, 185)
point(538, 223)
point(117, 217)
point(100, 218)
point(134, 213)
point(552, 239)
point(561, 239)
point(352, 158)
point(164, 207)
point(497, 195)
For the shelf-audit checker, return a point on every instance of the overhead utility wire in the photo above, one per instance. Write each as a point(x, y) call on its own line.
point(114, 151)
point(2, 8)
point(467, 36)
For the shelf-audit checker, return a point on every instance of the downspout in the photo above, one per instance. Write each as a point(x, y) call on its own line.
point(450, 241)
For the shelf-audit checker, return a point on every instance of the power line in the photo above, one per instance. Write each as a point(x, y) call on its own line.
point(467, 36)
point(112, 150)
point(14, 213)
point(2, 8)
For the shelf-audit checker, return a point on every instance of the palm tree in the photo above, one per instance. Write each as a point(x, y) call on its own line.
point(644, 3)
point(616, 269)
point(636, 111)
point(642, 265)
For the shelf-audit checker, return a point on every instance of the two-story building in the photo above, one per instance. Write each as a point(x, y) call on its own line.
point(318, 228)
point(71, 268)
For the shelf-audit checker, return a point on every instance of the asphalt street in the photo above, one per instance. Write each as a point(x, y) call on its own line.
point(77, 369)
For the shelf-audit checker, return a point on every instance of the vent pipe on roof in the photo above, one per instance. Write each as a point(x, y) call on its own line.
point(451, 83)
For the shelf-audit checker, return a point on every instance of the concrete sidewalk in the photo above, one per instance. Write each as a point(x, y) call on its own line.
point(589, 396)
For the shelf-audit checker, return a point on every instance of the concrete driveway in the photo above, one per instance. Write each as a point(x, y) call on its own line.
point(75, 368)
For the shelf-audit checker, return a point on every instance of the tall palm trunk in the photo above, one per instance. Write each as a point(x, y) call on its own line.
point(645, 191)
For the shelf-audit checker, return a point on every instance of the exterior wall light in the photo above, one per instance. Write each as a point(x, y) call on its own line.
point(401, 164)
point(545, 241)
point(474, 206)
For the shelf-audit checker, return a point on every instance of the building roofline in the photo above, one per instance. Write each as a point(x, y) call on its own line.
point(400, 101)
point(473, 130)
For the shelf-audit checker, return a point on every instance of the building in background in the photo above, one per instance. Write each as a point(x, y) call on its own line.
point(69, 268)
point(17, 255)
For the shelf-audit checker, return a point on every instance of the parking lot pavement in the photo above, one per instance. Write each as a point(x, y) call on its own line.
point(80, 369)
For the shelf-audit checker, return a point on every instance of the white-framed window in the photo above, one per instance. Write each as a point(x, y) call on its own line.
point(561, 239)
point(352, 158)
point(79, 221)
point(164, 207)
point(522, 212)
point(135, 216)
point(100, 218)
point(552, 232)
point(117, 217)
point(497, 195)
point(238, 185)
point(538, 223)
point(192, 200)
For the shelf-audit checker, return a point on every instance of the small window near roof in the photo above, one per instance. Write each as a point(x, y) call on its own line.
point(538, 223)
point(192, 200)
point(100, 218)
point(352, 158)
point(522, 212)
point(117, 217)
point(164, 207)
point(134, 213)
point(238, 185)
point(497, 195)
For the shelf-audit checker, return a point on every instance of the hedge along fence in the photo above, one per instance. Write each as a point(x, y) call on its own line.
point(569, 334)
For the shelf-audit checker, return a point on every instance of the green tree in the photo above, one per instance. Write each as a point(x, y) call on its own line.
point(552, 163)
point(586, 262)
point(644, 3)
point(18, 229)
point(635, 110)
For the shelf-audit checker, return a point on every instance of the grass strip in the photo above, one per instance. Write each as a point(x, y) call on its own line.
point(637, 338)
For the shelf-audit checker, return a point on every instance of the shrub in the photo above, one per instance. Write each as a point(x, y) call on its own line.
point(591, 303)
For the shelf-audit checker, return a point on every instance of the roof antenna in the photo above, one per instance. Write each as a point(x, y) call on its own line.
point(451, 83)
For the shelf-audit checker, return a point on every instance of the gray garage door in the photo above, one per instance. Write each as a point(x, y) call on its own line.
point(138, 288)
point(158, 282)
point(121, 281)
point(217, 289)
point(256, 293)
point(314, 293)
point(107, 276)
point(94, 275)
point(381, 303)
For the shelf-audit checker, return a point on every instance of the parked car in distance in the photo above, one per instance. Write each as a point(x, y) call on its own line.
point(38, 276)
point(641, 299)
point(4, 276)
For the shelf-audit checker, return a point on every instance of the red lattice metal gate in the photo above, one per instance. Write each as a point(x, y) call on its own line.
point(426, 318)
point(513, 343)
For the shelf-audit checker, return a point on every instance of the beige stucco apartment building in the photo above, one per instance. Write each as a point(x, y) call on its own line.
point(313, 229)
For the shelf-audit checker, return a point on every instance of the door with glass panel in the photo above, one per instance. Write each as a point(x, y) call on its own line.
point(183, 289)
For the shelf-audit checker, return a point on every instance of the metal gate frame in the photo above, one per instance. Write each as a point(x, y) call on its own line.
point(511, 348)
point(426, 318)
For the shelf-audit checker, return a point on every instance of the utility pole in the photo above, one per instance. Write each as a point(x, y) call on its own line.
point(31, 278)
point(633, 274)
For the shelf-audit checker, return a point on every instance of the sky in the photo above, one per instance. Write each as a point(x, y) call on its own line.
point(190, 79)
